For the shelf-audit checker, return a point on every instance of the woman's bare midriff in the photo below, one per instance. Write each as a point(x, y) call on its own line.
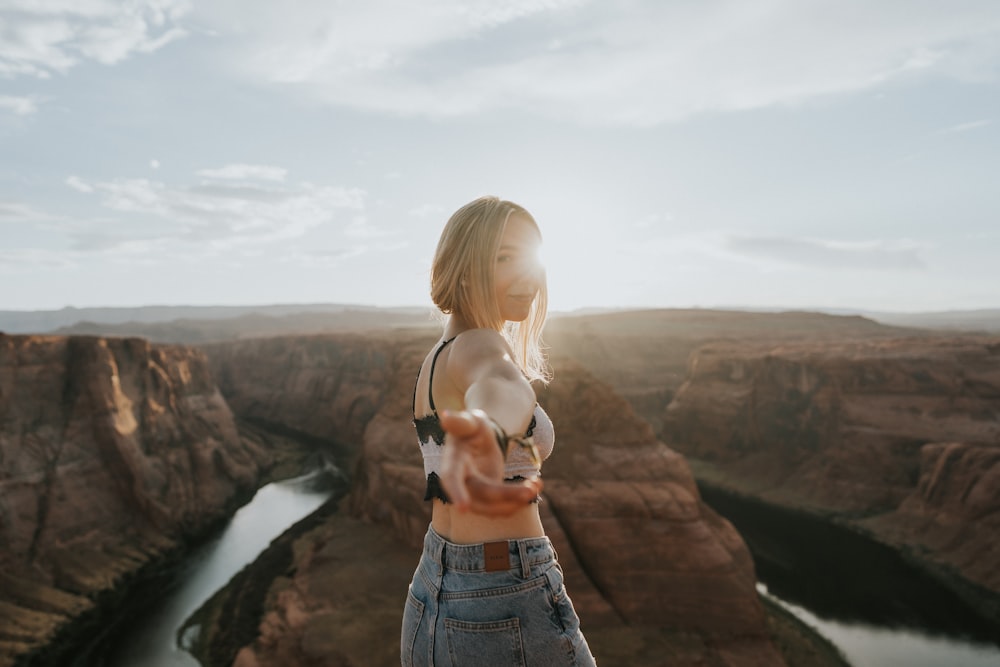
point(468, 528)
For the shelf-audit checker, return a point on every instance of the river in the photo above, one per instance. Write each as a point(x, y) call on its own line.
point(876, 608)
point(152, 640)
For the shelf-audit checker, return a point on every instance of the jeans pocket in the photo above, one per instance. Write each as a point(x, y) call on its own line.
point(489, 644)
point(412, 614)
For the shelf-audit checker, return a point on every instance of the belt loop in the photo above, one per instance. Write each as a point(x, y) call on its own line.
point(522, 550)
point(439, 549)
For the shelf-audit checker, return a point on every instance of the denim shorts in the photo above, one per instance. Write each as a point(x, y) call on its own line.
point(458, 614)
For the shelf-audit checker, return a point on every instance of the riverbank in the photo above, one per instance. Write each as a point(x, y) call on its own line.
point(242, 602)
point(799, 643)
point(331, 589)
point(78, 640)
point(897, 587)
point(83, 641)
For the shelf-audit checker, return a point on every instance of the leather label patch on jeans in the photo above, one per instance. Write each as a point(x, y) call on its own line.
point(497, 556)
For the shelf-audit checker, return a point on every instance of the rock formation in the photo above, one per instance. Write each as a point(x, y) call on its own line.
point(898, 437)
point(639, 547)
point(322, 387)
point(113, 452)
point(644, 354)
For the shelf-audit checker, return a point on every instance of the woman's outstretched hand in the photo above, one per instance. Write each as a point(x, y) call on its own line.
point(472, 467)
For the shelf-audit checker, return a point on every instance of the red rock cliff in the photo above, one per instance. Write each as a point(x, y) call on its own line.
point(327, 386)
point(644, 354)
point(638, 545)
point(112, 452)
point(901, 437)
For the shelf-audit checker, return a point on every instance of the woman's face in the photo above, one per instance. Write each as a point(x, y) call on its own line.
point(519, 274)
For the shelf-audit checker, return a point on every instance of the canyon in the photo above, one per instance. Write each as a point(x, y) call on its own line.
point(897, 438)
point(891, 431)
point(114, 455)
point(643, 555)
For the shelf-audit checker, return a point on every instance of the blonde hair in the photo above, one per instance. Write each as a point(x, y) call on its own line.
point(462, 280)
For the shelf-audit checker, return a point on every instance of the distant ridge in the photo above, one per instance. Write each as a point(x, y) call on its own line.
point(986, 320)
point(48, 321)
point(255, 325)
point(162, 322)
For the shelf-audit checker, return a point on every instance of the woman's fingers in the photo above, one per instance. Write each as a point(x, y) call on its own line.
point(454, 470)
point(472, 467)
point(465, 423)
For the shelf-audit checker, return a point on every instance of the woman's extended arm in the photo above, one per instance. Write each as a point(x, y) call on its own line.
point(495, 391)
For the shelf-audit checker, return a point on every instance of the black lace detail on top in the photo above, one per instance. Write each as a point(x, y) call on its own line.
point(429, 427)
point(434, 489)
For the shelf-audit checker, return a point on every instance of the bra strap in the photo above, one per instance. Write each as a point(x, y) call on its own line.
point(430, 383)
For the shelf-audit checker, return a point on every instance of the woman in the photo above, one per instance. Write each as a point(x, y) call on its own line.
point(488, 590)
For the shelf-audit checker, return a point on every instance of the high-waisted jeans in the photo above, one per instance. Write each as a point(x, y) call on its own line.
point(458, 614)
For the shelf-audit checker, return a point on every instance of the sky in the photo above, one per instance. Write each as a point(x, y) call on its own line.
point(676, 153)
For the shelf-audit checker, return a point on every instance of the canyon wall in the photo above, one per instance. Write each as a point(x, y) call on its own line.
point(639, 547)
point(323, 387)
point(898, 437)
point(644, 354)
point(113, 452)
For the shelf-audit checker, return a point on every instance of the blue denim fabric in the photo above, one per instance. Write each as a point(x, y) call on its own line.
point(459, 615)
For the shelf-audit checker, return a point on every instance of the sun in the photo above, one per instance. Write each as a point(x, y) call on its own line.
point(566, 275)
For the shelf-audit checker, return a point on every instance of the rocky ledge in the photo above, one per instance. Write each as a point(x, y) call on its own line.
point(897, 438)
point(113, 453)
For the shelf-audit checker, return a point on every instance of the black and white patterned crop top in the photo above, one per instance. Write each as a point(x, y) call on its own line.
point(430, 436)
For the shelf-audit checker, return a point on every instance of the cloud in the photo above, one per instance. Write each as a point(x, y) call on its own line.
point(78, 184)
point(965, 127)
point(652, 220)
point(428, 211)
point(226, 222)
point(360, 228)
point(41, 37)
point(33, 258)
point(245, 172)
point(222, 216)
point(594, 62)
point(321, 258)
point(19, 212)
point(22, 106)
point(825, 254)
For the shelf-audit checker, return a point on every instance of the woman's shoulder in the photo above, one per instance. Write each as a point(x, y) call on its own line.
point(474, 339)
point(473, 347)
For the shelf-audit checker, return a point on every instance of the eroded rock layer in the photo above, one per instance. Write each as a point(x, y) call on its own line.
point(644, 354)
point(113, 452)
point(322, 387)
point(899, 437)
point(638, 545)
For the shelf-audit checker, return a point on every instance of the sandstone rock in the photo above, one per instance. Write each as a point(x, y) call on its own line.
point(644, 354)
point(630, 507)
point(638, 545)
point(954, 512)
point(112, 452)
point(900, 437)
point(325, 387)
